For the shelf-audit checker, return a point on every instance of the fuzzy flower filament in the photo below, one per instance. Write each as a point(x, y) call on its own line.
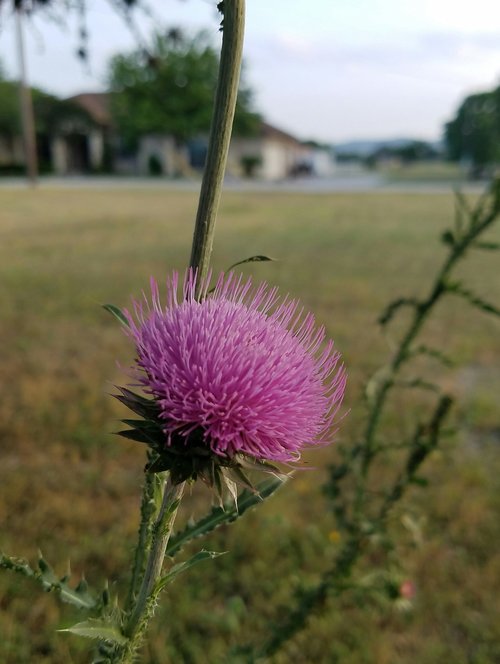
point(247, 369)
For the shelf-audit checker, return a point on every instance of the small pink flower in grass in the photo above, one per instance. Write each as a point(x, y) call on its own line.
point(407, 589)
point(239, 372)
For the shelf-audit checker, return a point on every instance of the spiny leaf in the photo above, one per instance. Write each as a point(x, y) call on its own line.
point(143, 431)
point(219, 516)
point(102, 630)
point(159, 465)
point(252, 259)
point(232, 487)
point(259, 465)
point(146, 425)
point(462, 212)
point(82, 599)
point(418, 383)
point(82, 586)
point(182, 567)
point(140, 436)
point(435, 354)
point(79, 596)
point(18, 565)
point(215, 481)
point(240, 478)
point(117, 313)
point(457, 288)
point(448, 238)
point(394, 306)
point(489, 246)
point(138, 404)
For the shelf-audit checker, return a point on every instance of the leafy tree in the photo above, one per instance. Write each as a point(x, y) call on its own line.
point(50, 114)
point(49, 111)
point(416, 151)
point(9, 109)
point(474, 134)
point(169, 90)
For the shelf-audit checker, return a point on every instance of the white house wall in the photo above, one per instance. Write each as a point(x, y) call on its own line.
point(323, 163)
point(278, 158)
point(59, 155)
point(274, 161)
point(240, 148)
point(96, 148)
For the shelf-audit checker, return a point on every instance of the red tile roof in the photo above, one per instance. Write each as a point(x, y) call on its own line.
point(96, 104)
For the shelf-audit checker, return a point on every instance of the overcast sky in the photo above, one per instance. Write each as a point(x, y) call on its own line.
point(332, 70)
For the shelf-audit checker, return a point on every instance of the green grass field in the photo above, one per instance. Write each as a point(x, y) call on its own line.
point(439, 171)
point(71, 489)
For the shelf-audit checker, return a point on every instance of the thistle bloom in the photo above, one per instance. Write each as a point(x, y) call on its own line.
point(245, 371)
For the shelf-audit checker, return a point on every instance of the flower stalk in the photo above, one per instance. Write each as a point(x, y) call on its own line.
point(142, 607)
point(359, 514)
point(162, 530)
point(220, 134)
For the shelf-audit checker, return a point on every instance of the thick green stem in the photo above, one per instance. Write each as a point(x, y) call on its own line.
point(337, 579)
point(145, 603)
point(143, 539)
point(161, 534)
point(220, 135)
point(421, 312)
point(142, 600)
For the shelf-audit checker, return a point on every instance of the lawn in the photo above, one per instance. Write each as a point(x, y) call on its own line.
point(426, 172)
point(71, 488)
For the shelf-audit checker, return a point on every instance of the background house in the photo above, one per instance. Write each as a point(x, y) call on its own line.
point(11, 153)
point(271, 155)
point(81, 136)
point(88, 142)
point(322, 160)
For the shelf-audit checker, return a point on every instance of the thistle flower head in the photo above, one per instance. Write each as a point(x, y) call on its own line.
point(238, 371)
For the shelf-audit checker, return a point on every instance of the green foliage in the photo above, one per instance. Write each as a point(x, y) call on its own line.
point(170, 90)
point(183, 567)
point(259, 258)
point(80, 596)
point(362, 507)
point(409, 153)
point(474, 134)
point(219, 516)
point(9, 109)
point(102, 630)
point(117, 313)
point(49, 111)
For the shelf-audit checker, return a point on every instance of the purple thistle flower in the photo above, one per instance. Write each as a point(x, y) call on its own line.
point(244, 367)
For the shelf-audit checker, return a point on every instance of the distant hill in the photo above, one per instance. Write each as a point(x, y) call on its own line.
point(364, 148)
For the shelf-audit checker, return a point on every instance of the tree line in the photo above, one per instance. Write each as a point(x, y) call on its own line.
point(473, 136)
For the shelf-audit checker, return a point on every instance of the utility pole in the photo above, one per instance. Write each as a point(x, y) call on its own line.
point(26, 104)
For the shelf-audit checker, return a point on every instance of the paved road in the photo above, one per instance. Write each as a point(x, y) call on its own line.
point(362, 183)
